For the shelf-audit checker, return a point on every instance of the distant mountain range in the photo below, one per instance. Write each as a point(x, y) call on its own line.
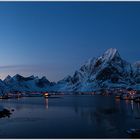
point(107, 71)
point(28, 84)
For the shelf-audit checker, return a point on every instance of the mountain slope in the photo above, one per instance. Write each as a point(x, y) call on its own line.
point(136, 69)
point(29, 84)
point(107, 71)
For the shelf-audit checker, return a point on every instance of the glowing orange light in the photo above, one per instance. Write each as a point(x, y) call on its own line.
point(46, 94)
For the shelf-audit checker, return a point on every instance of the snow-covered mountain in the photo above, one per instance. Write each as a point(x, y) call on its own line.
point(107, 71)
point(31, 84)
point(136, 71)
point(3, 87)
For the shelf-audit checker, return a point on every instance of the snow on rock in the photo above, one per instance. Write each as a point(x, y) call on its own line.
point(136, 72)
point(29, 84)
point(107, 71)
point(3, 88)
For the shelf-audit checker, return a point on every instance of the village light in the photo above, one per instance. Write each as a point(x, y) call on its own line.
point(46, 94)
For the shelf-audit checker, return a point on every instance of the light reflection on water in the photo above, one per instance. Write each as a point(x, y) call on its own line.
point(82, 116)
point(46, 103)
point(132, 105)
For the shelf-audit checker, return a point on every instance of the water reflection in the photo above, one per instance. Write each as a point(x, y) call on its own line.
point(89, 116)
point(138, 105)
point(132, 105)
point(103, 119)
point(108, 117)
point(117, 100)
point(46, 103)
point(128, 106)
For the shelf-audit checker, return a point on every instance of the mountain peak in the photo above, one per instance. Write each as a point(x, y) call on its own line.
point(44, 77)
point(17, 76)
point(8, 78)
point(111, 53)
point(32, 76)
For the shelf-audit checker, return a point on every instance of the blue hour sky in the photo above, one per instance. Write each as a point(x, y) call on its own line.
point(55, 38)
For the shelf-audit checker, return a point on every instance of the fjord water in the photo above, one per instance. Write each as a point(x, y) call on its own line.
point(70, 116)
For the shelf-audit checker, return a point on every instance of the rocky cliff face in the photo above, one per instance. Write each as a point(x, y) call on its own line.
point(107, 71)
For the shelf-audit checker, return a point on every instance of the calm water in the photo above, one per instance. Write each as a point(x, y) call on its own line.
point(82, 116)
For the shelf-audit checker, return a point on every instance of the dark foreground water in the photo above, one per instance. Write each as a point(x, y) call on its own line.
point(82, 116)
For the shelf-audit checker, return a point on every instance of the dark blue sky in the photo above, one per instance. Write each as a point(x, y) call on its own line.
point(56, 38)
